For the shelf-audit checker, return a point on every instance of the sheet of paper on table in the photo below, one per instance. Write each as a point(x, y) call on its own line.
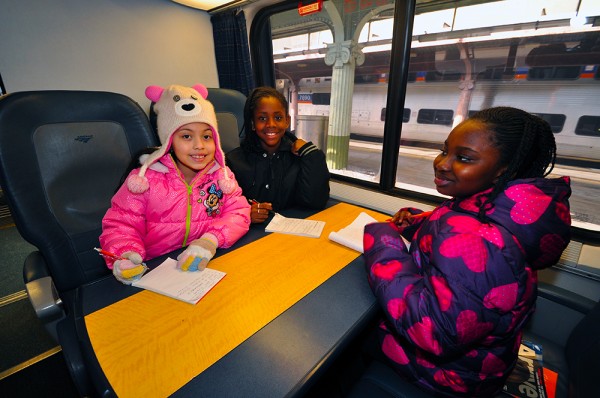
point(352, 235)
point(295, 226)
point(190, 287)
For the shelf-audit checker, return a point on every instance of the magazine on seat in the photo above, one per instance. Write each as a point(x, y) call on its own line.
point(529, 378)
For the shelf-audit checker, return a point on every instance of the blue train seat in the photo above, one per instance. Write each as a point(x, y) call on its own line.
point(229, 108)
point(62, 156)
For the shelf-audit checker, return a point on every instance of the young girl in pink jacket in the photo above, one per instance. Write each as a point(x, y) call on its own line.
point(182, 195)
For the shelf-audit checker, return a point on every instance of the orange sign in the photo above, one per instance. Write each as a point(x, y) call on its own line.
point(310, 8)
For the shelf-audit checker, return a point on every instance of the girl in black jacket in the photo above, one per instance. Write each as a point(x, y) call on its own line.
point(275, 169)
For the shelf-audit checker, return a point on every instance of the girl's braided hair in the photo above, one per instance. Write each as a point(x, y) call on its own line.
point(526, 144)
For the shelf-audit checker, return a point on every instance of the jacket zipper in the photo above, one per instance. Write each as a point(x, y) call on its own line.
point(188, 216)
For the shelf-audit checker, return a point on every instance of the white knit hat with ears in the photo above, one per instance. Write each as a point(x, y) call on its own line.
point(176, 106)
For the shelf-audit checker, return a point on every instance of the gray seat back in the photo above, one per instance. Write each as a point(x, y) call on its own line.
point(62, 155)
point(229, 108)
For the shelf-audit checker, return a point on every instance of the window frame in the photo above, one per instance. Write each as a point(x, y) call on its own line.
point(264, 74)
point(579, 130)
point(261, 52)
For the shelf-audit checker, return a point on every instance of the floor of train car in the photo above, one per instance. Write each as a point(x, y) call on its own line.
point(31, 363)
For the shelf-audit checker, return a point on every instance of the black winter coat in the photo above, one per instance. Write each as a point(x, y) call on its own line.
point(283, 179)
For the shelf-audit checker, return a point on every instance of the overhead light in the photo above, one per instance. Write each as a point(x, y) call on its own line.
point(205, 5)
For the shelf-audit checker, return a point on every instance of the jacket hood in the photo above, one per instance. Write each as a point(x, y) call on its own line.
point(536, 212)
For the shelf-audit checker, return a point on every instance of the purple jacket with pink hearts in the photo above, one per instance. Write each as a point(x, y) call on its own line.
point(456, 302)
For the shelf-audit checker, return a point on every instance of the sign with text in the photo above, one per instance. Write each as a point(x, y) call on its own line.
point(311, 8)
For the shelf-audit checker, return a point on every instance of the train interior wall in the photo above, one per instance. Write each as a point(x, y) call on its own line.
point(105, 45)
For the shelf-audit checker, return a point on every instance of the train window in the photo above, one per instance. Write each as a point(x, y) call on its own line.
point(554, 73)
point(496, 73)
point(438, 76)
point(588, 125)
point(405, 115)
point(435, 116)
point(321, 98)
point(460, 61)
point(556, 121)
point(319, 101)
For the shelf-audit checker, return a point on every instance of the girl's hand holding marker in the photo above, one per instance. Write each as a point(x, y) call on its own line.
point(259, 212)
point(128, 267)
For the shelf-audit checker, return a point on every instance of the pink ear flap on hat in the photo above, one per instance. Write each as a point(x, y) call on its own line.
point(153, 93)
point(227, 185)
point(137, 183)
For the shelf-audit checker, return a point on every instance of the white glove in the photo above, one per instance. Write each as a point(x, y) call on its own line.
point(130, 269)
point(198, 254)
point(134, 257)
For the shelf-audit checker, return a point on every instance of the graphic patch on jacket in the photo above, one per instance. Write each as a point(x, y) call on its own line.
point(211, 199)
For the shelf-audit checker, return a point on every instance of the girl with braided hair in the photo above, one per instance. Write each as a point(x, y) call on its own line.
point(455, 304)
point(276, 169)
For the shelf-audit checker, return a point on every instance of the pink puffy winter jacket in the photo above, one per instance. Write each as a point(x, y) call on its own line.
point(171, 213)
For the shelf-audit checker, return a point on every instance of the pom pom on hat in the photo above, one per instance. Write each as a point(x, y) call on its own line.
point(176, 106)
point(227, 185)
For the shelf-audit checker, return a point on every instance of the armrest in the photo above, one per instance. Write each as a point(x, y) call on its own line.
point(44, 298)
point(565, 298)
point(557, 313)
point(40, 289)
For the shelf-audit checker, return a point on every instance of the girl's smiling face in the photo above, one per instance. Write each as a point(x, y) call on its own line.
point(194, 148)
point(469, 161)
point(270, 121)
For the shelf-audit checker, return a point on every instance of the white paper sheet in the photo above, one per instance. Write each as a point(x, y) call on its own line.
point(352, 235)
point(185, 286)
point(295, 226)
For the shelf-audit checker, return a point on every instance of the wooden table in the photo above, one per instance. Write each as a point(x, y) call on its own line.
point(286, 304)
